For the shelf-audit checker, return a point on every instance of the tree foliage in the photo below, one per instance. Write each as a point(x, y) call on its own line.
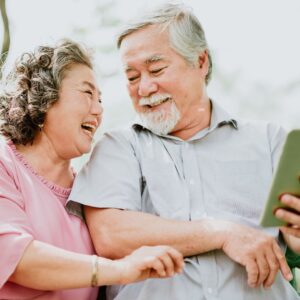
point(6, 35)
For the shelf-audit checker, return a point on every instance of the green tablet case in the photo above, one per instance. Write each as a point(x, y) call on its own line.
point(285, 179)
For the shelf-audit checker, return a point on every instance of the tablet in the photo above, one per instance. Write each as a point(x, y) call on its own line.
point(285, 179)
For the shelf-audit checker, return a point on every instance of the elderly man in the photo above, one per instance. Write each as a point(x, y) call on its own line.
point(185, 174)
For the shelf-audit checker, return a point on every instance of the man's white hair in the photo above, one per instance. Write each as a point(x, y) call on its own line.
point(186, 34)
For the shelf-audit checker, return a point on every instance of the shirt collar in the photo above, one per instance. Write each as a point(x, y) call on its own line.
point(219, 118)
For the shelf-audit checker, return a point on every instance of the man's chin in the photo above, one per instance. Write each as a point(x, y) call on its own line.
point(161, 122)
point(161, 127)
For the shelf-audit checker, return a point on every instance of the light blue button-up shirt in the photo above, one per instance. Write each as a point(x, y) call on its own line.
point(223, 172)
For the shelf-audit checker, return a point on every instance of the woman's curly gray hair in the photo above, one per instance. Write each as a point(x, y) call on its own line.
point(33, 86)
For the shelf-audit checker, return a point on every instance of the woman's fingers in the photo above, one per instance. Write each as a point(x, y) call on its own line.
point(177, 258)
point(164, 260)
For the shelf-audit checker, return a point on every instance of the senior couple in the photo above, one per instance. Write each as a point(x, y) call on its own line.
point(186, 179)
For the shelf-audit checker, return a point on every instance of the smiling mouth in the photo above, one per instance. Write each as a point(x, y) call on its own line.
point(156, 103)
point(90, 128)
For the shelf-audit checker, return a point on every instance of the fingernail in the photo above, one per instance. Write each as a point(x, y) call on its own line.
point(285, 198)
point(290, 276)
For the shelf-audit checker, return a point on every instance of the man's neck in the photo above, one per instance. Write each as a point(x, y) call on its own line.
point(198, 120)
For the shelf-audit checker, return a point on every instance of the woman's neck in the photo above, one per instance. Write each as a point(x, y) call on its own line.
point(43, 158)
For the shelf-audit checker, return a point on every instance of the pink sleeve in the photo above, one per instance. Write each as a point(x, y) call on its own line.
point(15, 230)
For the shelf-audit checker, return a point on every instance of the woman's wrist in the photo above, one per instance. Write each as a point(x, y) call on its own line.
point(109, 271)
point(95, 271)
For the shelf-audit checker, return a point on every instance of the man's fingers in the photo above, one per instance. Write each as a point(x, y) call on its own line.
point(252, 272)
point(263, 268)
point(283, 265)
point(291, 201)
point(273, 266)
point(290, 230)
point(287, 216)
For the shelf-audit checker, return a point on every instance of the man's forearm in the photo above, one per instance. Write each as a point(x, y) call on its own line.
point(117, 233)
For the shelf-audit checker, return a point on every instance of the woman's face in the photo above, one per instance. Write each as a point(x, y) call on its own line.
point(71, 122)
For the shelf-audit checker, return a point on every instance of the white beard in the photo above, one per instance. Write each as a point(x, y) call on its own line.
point(162, 121)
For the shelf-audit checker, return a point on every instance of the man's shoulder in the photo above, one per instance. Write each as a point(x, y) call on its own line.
point(130, 134)
point(260, 127)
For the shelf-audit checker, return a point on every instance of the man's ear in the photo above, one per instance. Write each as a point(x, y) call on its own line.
point(203, 59)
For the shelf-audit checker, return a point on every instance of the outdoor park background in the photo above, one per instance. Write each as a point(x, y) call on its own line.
point(255, 48)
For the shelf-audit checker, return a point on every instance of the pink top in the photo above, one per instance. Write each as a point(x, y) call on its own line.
point(32, 208)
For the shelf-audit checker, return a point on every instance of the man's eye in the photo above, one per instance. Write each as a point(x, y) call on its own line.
point(89, 92)
point(132, 78)
point(156, 71)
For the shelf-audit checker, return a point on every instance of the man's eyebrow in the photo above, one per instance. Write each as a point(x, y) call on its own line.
point(148, 61)
point(92, 86)
point(154, 58)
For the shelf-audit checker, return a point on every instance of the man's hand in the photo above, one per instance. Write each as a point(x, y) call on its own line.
point(292, 218)
point(149, 262)
point(258, 252)
point(291, 215)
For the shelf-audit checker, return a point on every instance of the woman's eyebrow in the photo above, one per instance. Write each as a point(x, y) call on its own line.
point(92, 86)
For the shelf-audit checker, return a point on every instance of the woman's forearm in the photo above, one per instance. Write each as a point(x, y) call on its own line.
point(45, 267)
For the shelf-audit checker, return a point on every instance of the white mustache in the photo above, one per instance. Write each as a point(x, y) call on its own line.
point(153, 99)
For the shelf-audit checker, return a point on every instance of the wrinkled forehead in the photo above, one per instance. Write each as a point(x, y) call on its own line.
point(145, 46)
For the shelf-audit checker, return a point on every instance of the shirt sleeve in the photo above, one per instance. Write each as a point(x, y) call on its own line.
point(112, 177)
point(15, 231)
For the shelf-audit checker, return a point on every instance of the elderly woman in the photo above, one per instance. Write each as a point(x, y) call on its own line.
point(50, 108)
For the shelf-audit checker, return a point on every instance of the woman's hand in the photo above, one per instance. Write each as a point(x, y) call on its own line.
point(149, 262)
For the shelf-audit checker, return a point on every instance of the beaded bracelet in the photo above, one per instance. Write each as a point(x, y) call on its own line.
point(94, 278)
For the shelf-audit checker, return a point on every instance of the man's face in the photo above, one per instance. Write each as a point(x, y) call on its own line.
point(165, 90)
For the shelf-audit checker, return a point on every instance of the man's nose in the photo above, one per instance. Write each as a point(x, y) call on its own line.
point(147, 86)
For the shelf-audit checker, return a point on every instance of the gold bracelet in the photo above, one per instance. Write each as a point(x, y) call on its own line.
point(94, 278)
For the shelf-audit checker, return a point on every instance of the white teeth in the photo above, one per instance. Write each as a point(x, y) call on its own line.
point(159, 102)
point(154, 100)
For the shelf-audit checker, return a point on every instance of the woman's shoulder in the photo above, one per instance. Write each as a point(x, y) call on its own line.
point(7, 156)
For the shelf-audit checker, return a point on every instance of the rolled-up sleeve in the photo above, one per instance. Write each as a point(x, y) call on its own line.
point(15, 231)
point(112, 177)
